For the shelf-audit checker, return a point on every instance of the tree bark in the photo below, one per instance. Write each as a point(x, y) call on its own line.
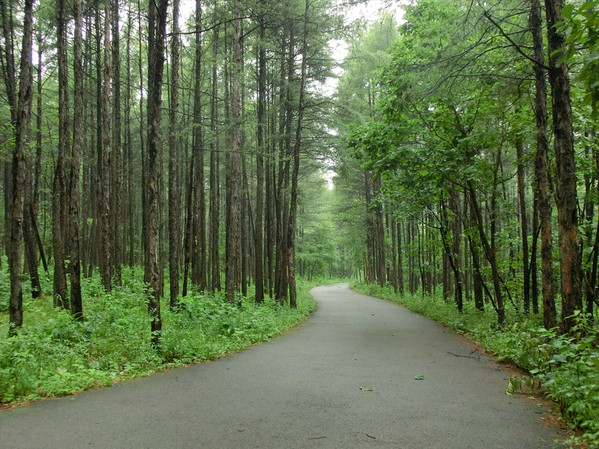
point(523, 223)
point(296, 164)
point(214, 174)
point(105, 222)
point(116, 158)
point(534, 284)
point(59, 199)
point(566, 197)
point(394, 277)
point(450, 252)
point(199, 217)
point(156, 43)
point(400, 268)
point(258, 229)
point(456, 233)
point(543, 180)
point(19, 177)
point(233, 243)
point(129, 151)
point(282, 191)
point(379, 237)
point(174, 204)
point(489, 253)
point(74, 235)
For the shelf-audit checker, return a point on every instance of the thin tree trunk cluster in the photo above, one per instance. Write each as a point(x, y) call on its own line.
point(190, 160)
point(491, 198)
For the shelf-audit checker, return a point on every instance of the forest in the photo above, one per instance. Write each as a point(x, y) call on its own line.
point(171, 164)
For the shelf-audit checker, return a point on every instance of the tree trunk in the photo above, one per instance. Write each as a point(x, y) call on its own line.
point(542, 170)
point(523, 223)
point(29, 240)
point(9, 78)
point(456, 233)
point(296, 164)
point(394, 276)
point(116, 159)
point(400, 269)
point(105, 222)
point(379, 237)
point(187, 237)
point(258, 229)
point(143, 131)
point(74, 235)
point(156, 43)
point(489, 253)
point(534, 284)
point(285, 156)
point(445, 225)
point(19, 177)
point(214, 175)
point(233, 264)
point(199, 222)
point(477, 278)
point(370, 241)
point(269, 210)
point(28, 219)
point(174, 204)
point(59, 194)
point(129, 152)
point(567, 202)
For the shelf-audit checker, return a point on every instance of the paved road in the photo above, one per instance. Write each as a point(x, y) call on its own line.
point(344, 379)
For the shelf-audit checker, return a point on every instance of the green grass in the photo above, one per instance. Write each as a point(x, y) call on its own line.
point(53, 355)
point(565, 366)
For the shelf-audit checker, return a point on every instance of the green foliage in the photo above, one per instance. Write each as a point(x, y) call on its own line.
point(208, 327)
point(581, 22)
point(317, 244)
point(565, 366)
point(54, 355)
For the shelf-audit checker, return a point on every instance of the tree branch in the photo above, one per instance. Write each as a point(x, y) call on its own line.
point(511, 41)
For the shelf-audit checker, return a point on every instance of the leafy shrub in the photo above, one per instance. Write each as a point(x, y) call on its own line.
point(54, 355)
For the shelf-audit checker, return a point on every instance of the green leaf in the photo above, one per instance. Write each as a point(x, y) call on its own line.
point(419, 377)
point(567, 11)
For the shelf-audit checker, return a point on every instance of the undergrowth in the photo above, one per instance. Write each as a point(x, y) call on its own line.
point(565, 366)
point(54, 355)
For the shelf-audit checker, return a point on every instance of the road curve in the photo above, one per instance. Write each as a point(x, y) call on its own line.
point(346, 378)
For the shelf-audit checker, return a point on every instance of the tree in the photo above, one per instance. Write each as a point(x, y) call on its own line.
point(199, 195)
point(116, 158)
point(156, 43)
point(59, 197)
point(566, 196)
point(23, 118)
point(214, 216)
point(296, 163)
point(261, 151)
point(107, 249)
point(75, 243)
point(233, 242)
point(542, 168)
point(174, 204)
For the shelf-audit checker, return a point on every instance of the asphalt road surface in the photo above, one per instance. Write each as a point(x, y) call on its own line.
point(360, 373)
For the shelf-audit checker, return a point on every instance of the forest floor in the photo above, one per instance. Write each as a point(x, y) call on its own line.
point(360, 372)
